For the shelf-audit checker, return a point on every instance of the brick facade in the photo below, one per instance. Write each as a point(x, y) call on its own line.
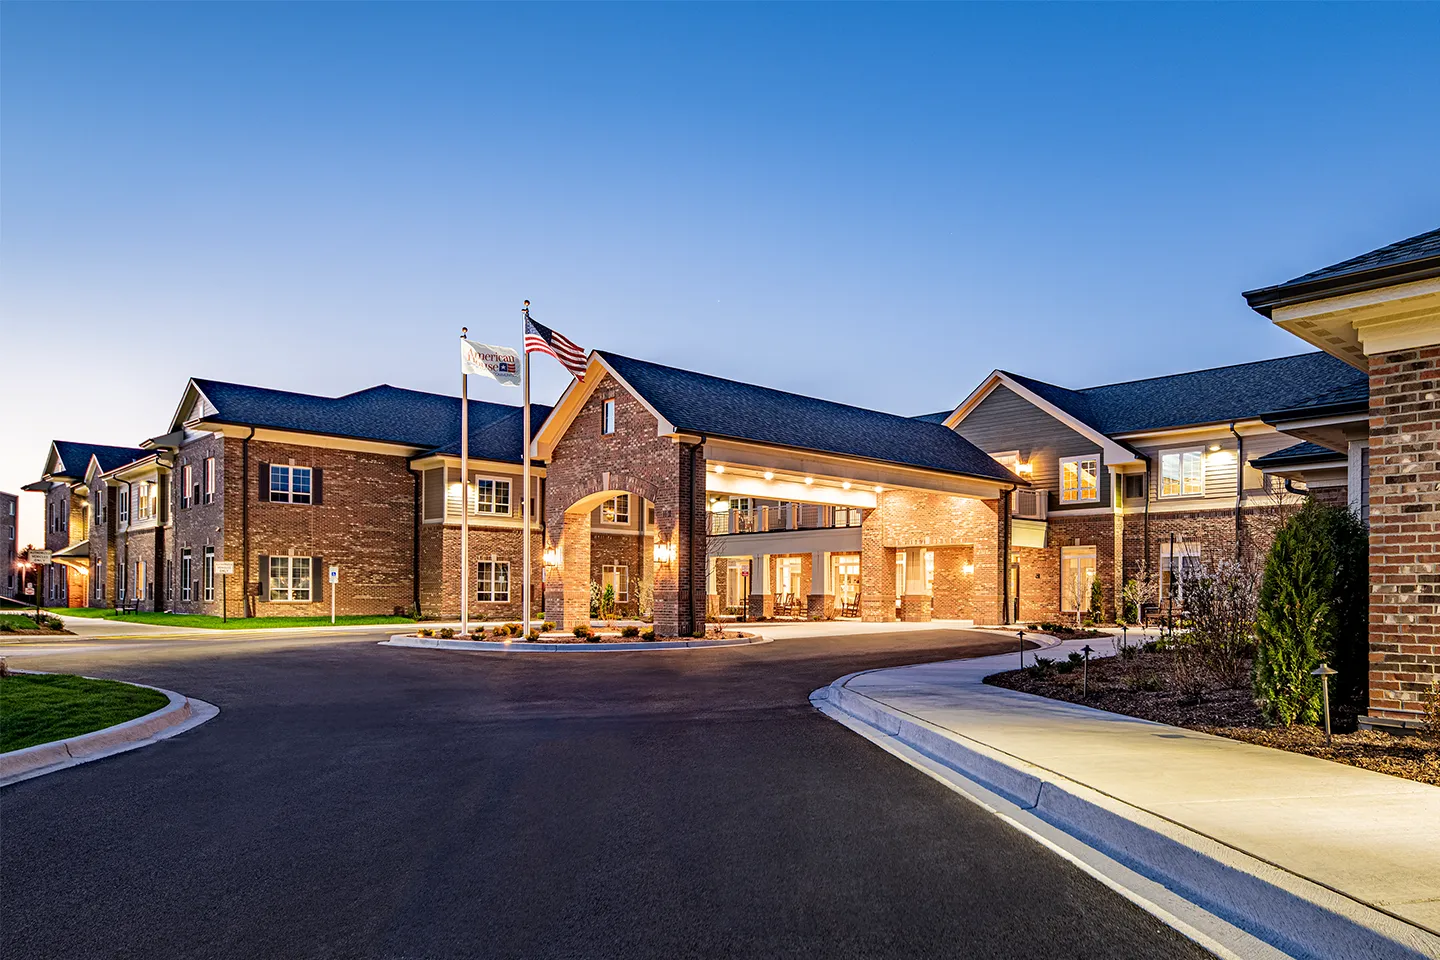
point(1404, 530)
point(9, 545)
point(587, 465)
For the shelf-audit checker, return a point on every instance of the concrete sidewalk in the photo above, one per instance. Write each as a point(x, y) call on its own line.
point(1371, 838)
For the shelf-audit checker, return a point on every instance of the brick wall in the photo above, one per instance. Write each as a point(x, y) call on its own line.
point(632, 551)
point(202, 525)
point(440, 570)
point(585, 464)
point(1404, 530)
point(9, 544)
point(907, 518)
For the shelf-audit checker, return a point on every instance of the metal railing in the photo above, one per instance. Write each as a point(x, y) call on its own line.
point(784, 516)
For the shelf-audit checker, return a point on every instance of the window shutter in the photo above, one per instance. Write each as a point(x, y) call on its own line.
point(315, 475)
point(264, 575)
point(264, 482)
point(318, 575)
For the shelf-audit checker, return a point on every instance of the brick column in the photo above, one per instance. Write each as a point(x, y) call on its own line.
point(821, 599)
point(567, 587)
point(877, 571)
point(952, 583)
point(989, 566)
point(915, 602)
point(1404, 530)
point(762, 594)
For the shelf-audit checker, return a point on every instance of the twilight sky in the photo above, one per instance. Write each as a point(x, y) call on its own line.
point(872, 204)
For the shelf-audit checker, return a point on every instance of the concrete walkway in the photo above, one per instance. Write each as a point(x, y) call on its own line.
point(1372, 838)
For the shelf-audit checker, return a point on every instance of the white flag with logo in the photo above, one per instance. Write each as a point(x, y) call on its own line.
point(497, 363)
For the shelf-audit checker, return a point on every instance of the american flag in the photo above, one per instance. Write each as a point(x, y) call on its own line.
point(541, 339)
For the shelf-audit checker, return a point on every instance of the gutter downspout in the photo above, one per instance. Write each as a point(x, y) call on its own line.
point(1145, 554)
point(415, 545)
point(1239, 490)
point(245, 522)
point(1007, 615)
point(1290, 488)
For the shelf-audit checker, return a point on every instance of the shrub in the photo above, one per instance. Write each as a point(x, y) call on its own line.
point(582, 631)
point(513, 629)
point(699, 634)
point(1313, 607)
point(1097, 600)
point(648, 634)
point(547, 626)
point(426, 632)
point(1188, 675)
point(6, 628)
point(533, 635)
point(1042, 667)
point(499, 632)
point(1076, 658)
point(445, 633)
point(630, 632)
point(1429, 711)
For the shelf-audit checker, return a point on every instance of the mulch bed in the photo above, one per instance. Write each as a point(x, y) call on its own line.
point(1140, 687)
point(604, 638)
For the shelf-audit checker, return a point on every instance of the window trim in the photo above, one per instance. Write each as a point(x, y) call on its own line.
point(616, 518)
point(287, 495)
point(1079, 551)
point(481, 580)
point(187, 571)
point(209, 476)
point(1183, 550)
point(1180, 452)
point(621, 596)
point(478, 506)
point(607, 417)
point(187, 477)
point(290, 589)
point(1079, 482)
point(207, 573)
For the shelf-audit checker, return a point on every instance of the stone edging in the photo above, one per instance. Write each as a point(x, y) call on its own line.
point(180, 714)
point(525, 646)
point(1283, 909)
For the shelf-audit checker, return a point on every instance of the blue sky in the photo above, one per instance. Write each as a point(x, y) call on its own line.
point(874, 204)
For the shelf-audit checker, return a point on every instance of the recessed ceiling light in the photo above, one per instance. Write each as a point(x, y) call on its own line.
point(845, 485)
point(809, 480)
point(879, 489)
point(1214, 448)
point(769, 475)
point(719, 468)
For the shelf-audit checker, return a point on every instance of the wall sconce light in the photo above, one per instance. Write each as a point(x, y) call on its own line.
point(552, 557)
point(769, 475)
point(720, 506)
point(1214, 448)
point(1024, 469)
point(664, 553)
point(968, 569)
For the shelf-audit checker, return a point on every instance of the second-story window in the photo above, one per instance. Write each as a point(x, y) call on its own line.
point(616, 509)
point(607, 416)
point(1079, 479)
point(289, 484)
point(1182, 473)
point(187, 485)
point(209, 479)
point(144, 500)
point(492, 496)
point(122, 503)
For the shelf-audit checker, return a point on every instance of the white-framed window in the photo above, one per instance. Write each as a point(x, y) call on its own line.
point(1182, 473)
point(1176, 568)
point(208, 573)
point(289, 484)
point(144, 502)
point(616, 509)
point(122, 503)
point(120, 581)
point(616, 576)
point(141, 577)
point(1079, 479)
point(100, 499)
point(1077, 573)
point(493, 581)
point(490, 496)
point(788, 572)
point(187, 485)
point(290, 579)
point(607, 416)
point(209, 479)
point(99, 579)
point(187, 572)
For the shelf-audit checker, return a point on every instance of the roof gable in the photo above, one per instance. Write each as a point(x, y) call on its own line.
point(1410, 259)
point(70, 459)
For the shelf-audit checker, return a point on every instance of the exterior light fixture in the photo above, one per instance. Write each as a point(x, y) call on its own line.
point(809, 480)
point(845, 485)
point(552, 557)
point(664, 553)
point(879, 489)
point(719, 468)
point(968, 569)
point(769, 475)
point(1024, 469)
point(1214, 448)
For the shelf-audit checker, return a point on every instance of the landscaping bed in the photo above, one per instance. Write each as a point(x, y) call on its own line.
point(551, 636)
point(40, 708)
point(1062, 631)
point(1150, 684)
point(18, 623)
point(208, 622)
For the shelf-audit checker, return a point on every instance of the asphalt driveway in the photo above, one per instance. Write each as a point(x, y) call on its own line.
point(361, 801)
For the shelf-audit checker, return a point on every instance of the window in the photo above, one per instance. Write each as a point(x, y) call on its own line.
point(616, 509)
point(616, 576)
point(847, 516)
point(290, 579)
point(122, 505)
point(120, 582)
point(169, 580)
point(1134, 486)
point(187, 572)
point(99, 579)
point(607, 416)
point(491, 496)
point(1186, 564)
point(289, 484)
point(210, 480)
point(787, 576)
point(100, 502)
point(493, 582)
point(187, 485)
point(140, 578)
point(209, 573)
point(1079, 479)
point(1182, 473)
point(1077, 573)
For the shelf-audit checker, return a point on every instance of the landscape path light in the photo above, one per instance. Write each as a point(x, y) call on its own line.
point(1021, 635)
point(1325, 672)
point(1085, 673)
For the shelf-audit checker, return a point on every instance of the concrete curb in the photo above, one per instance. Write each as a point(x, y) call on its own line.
point(180, 714)
point(1287, 911)
point(525, 646)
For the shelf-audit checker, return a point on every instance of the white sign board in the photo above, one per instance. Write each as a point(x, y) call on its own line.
point(224, 566)
point(30, 589)
point(41, 556)
point(334, 574)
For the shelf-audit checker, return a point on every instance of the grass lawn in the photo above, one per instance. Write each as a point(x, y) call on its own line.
point(22, 623)
point(39, 708)
point(207, 622)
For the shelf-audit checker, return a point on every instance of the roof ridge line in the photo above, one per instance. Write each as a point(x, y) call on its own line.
point(1186, 373)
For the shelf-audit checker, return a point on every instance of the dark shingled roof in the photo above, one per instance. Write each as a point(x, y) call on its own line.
point(76, 456)
point(699, 403)
point(1347, 398)
point(1299, 453)
point(1409, 259)
point(937, 417)
point(384, 413)
point(1243, 391)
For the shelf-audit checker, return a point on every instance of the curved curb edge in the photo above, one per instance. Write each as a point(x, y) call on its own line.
point(525, 646)
point(179, 715)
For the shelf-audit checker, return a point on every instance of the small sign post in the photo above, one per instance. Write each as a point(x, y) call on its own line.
point(41, 559)
point(334, 579)
point(224, 568)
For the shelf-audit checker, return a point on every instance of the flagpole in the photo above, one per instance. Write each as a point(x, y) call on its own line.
point(525, 470)
point(464, 496)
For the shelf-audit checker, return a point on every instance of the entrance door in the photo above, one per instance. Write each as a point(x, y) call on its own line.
point(1014, 591)
point(847, 580)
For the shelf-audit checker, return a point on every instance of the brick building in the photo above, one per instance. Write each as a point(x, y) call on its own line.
point(9, 549)
point(1380, 313)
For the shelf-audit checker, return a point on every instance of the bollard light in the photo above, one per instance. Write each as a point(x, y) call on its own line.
point(1021, 635)
point(1085, 673)
point(1325, 672)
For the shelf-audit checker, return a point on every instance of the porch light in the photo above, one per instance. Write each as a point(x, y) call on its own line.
point(664, 553)
point(879, 489)
point(719, 468)
point(809, 480)
point(769, 475)
point(968, 569)
point(1214, 448)
point(1024, 469)
point(845, 485)
point(720, 506)
point(552, 557)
